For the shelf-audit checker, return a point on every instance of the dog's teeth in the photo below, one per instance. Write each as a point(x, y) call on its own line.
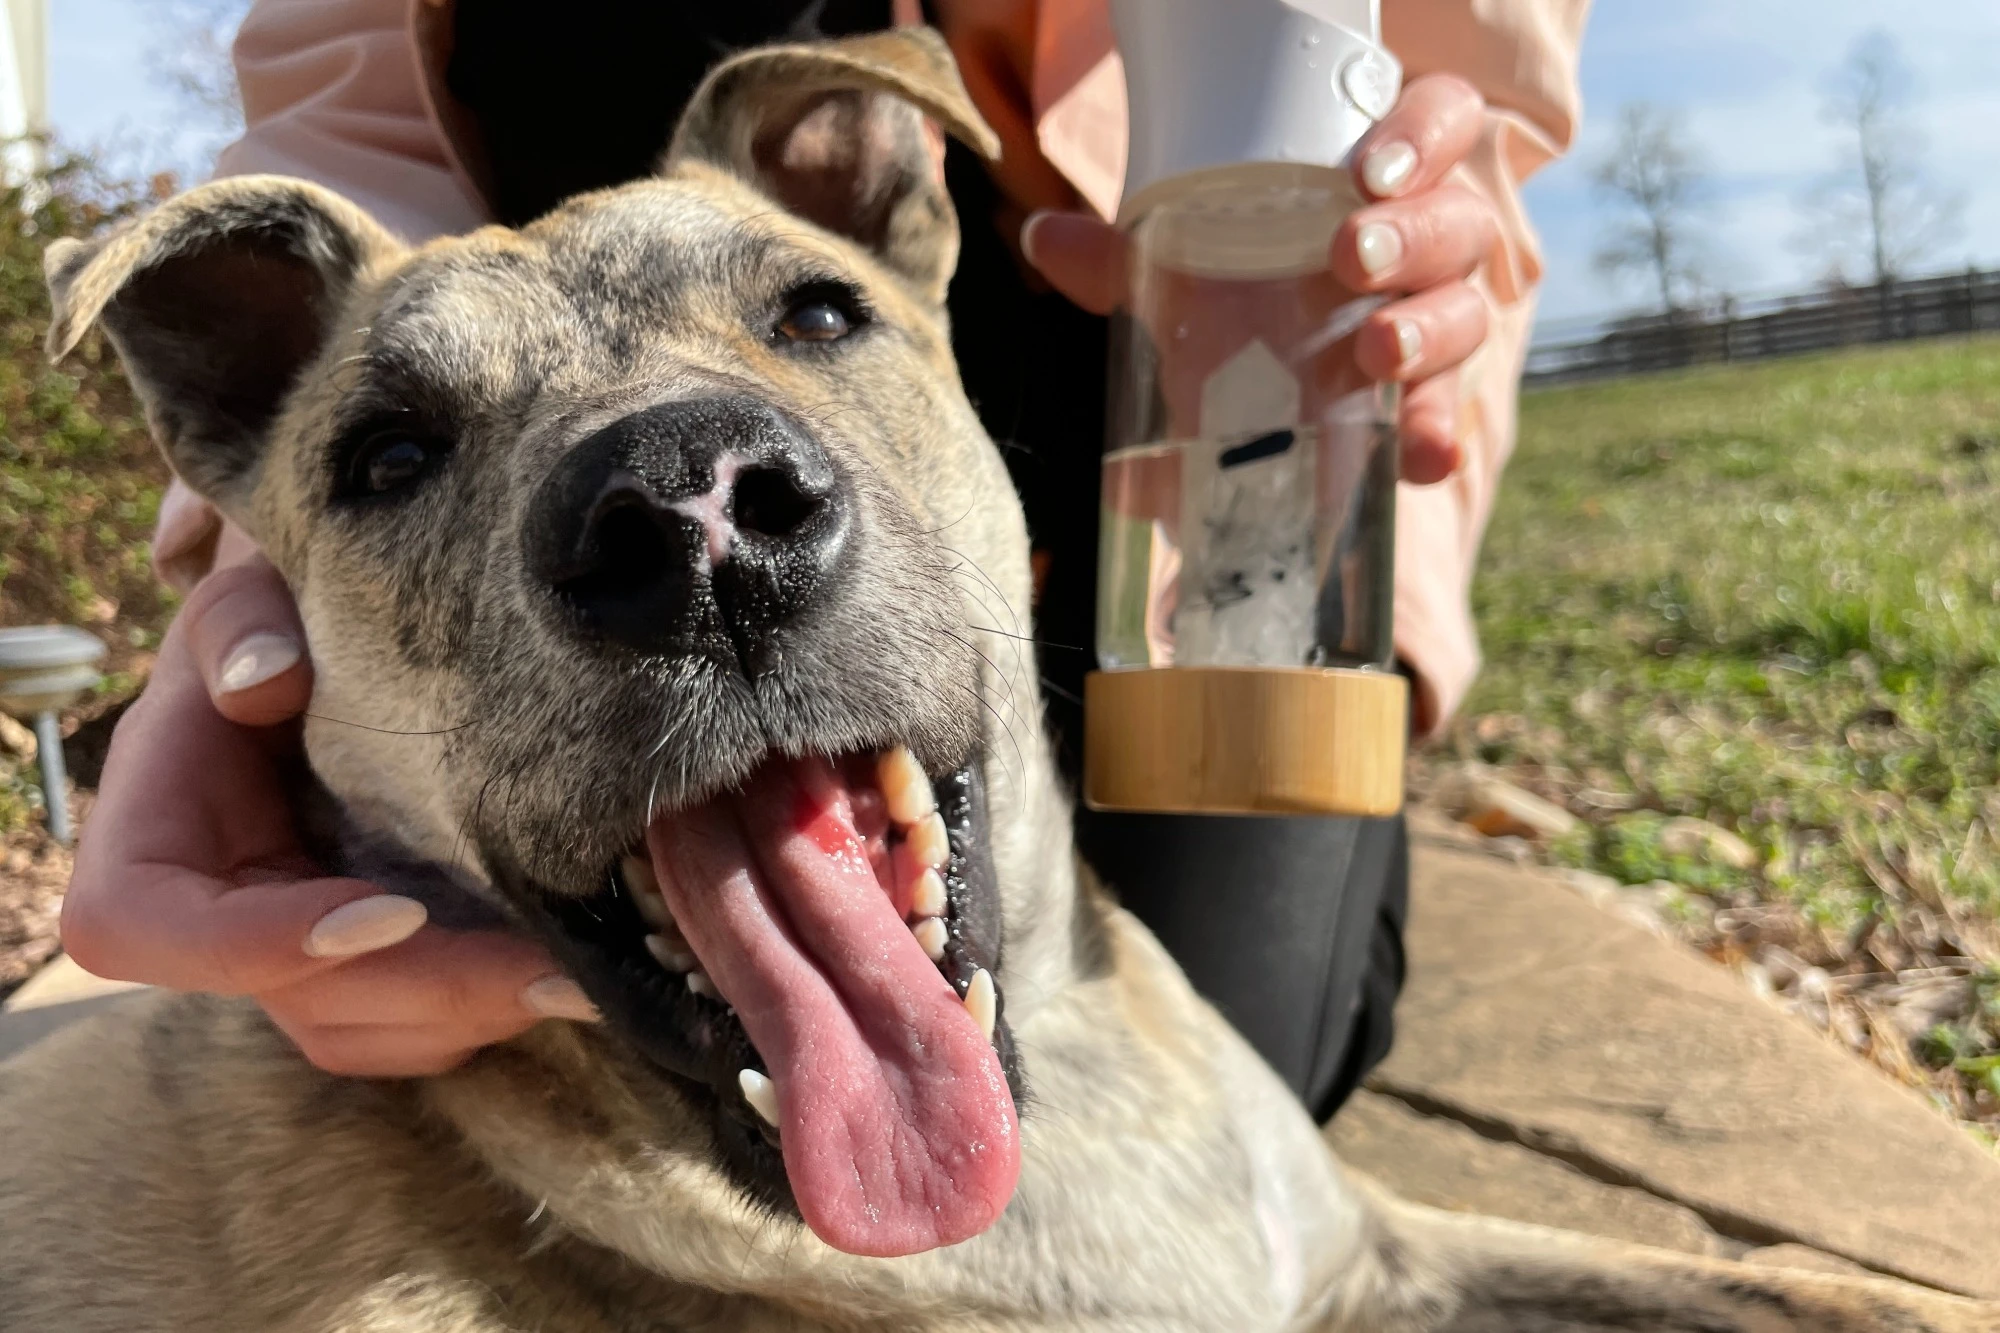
point(905, 789)
point(645, 889)
point(981, 1002)
point(761, 1093)
point(927, 898)
point(672, 953)
point(930, 933)
point(929, 843)
point(699, 984)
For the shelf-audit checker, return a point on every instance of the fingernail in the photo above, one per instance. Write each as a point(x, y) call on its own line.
point(1028, 230)
point(1409, 341)
point(556, 996)
point(365, 925)
point(255, 660)
point(1381, 248)
point(1385, 170)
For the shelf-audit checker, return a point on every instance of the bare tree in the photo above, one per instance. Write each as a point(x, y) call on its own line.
point(1881, 202)
point(190, 58)
point(1659, 179)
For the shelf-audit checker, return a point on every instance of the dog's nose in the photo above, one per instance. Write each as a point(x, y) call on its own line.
point(695, 526)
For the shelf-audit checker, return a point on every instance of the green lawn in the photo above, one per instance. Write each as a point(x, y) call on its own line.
point(1768, 596)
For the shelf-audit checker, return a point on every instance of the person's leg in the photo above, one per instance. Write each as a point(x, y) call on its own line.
point(1291, 926)
point(1375, 1017)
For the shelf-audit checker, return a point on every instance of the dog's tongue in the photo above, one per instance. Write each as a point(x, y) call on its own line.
point(897, 1124)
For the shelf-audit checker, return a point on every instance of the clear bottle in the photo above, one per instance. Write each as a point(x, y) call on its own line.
point(1245, 606)
point(1248, 503)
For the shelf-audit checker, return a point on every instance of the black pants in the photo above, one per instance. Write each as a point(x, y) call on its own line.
point(1292, 927)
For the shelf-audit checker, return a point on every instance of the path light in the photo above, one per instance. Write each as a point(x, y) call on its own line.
point(44, 669)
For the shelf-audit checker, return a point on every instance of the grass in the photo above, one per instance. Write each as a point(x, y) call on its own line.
point(1767, 596)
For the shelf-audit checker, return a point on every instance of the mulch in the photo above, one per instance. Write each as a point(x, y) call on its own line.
point(34, 871)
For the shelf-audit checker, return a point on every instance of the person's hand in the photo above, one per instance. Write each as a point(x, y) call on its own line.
point(189, 874)
point(1420, 241)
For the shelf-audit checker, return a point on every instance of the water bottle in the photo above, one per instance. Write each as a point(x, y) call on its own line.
point(1245, 603)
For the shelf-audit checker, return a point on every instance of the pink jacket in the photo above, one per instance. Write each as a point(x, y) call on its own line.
point(350, 93)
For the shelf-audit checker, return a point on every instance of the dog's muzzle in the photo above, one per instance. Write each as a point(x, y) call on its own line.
point(700, 526)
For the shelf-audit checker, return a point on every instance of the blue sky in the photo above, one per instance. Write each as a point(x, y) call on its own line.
point(1744, 74)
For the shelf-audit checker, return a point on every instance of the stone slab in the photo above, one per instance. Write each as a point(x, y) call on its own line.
point(1532, 1015)
point(1444, 1164)
point(59, 994)
point(62, 982)
point(20, 1029)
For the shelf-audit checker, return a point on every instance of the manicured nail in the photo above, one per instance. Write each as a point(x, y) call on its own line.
point(1387, 168)
point(255, 660)
point(1381, 248)
point(556, 996)
point(1028, 229)
point(365, 925)
point(1409, 341)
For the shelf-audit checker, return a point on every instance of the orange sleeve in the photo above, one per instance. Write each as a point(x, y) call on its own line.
point(334, 91)
point(1522, 56)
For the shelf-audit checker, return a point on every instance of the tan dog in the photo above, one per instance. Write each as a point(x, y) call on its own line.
point(662, 588)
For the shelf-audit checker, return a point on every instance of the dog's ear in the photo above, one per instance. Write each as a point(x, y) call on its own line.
point(836, 132)
point(214, 302)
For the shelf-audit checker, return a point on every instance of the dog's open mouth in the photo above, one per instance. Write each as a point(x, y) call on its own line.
point(816, 951)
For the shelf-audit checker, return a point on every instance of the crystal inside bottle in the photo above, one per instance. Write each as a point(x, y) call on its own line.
point(1249, 480)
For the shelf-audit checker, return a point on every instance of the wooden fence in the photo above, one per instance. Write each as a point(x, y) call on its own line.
point(1956, 303)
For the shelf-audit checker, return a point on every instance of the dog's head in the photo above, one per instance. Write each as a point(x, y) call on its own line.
point(662, 586)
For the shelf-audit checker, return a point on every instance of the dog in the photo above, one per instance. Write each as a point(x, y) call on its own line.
point(664, 595)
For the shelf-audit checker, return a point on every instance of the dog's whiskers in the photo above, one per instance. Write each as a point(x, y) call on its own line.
point(932, 532)
point(1067, 696)
point(388, 731)
point(967, 562)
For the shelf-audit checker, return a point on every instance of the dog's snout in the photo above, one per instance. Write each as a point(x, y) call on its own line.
point(702, 525)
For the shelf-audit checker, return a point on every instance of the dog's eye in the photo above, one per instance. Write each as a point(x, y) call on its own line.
point(390, 461)
point(821, 312)
point(815, 323)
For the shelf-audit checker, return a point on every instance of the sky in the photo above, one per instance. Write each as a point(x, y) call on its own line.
point(1744, 76)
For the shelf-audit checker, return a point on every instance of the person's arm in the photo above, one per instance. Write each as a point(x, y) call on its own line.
point(334, 91)
point(1522, 59)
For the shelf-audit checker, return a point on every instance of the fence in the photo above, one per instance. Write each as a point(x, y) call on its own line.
point(1956, 303)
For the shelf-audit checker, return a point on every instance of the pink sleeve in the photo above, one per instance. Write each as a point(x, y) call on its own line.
point(333, 91)
point(1523, 59)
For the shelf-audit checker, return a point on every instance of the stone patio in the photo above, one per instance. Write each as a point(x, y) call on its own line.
point(1556, 1064)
